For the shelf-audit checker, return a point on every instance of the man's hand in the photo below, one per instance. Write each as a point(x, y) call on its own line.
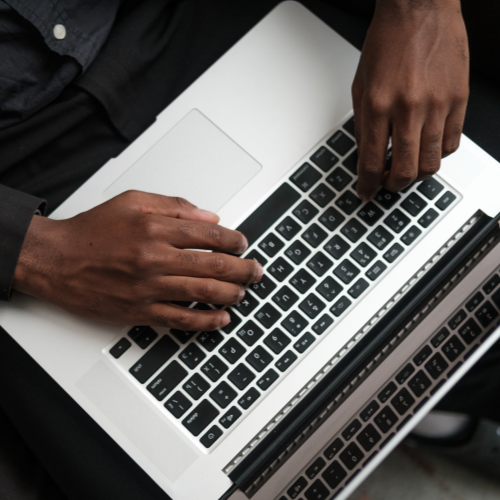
point(412, 85)
point(123, 261)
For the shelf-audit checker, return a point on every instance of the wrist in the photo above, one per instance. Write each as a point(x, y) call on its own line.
point(408, 6)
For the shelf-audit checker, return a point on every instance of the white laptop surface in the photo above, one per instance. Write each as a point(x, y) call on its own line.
point(226, 144)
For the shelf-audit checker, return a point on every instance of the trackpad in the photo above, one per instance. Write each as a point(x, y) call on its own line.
point(194, 160)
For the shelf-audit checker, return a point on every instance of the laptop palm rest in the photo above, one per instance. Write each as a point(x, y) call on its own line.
point(172, 166)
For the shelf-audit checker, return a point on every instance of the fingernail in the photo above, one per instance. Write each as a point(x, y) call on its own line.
point(242, 294)
point(244, 244)
point(259, 272)
point(225, 320)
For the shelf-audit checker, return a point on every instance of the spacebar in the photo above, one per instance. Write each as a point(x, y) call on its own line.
point(268, 213)
point(154, 359)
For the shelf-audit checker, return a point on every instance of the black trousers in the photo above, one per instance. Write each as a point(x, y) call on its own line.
point(50, 448)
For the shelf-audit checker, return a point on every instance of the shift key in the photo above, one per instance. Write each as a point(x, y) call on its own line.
point(154, 359)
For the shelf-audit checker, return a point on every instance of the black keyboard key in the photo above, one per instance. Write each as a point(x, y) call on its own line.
point(363, 254)
point(333, 448)
point(297, 252)
point(370, 214)
point(202, 307)
point(250, 333)
point(358, 288)
point(340, 306)
point(457, 319)
point(422, 355)
point(267, 315)
point(428, 218)
point(271, 244)
point(397, 221)
point(393, 253)
point(430, 188)
point(317, 491)
point(414, 204)
point(486, 314)
point(351, 429)
point(405, 373)
point(411, 235)
point(322, 195)
point(286, 361)
point(294, 323)
point(165, 382)
point(178, 404)
point(305, 177)
point(297, 487)
point(210, 340)
point(369, 411)
point(254, 255)
point(182, 336)
point(446, 200)
point(472, 303)
point(380, 237)
point(234, 321)
point(285, 298)
point(440, 337)
point(267, 380)
point(120, 347)
point(419, 383)
point(223, 394)
point(339, 179)
point(230, 417)
point(387, 199)
point(436, 366)
point(277, 341)
point(340, 143)
point(312, 305)
point(387, 392)
point(337, 247)
point(249, 398)
point(196, 386)
point(331, 219)
point(324, 159)
point(268, 213)
point(304, 342)
point(354, 230)
point(259, 358)
point(403, 401)
point(146, 337)
point(302, 281)
point(453, 348)
point(496, 298)
point(280, 269)
point(348, 202)
point(351, 162)
point(368, 437)
point(385, 419)
point(152, 361)
point(232, 350)
point(470, 331)
point(200, 417)
point(491, 284)
point(314, 235)
point(305, 211)
point(346, 271)
point(315, 468)
point(376, 270)
point(334, 474)
point(241, 376)
point(352, 456)
point(208, 439)
point(329, 288)
point(319, 263)
point(288, 228)
point(264, 287)
point(214, 368)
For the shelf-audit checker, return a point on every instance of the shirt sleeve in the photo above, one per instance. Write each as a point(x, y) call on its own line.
point(16, 211)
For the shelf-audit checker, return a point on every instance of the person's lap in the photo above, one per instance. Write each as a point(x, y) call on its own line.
point(56, 151)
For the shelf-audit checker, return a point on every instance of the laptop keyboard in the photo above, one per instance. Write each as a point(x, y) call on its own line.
point(322, 250)
point(400, 397)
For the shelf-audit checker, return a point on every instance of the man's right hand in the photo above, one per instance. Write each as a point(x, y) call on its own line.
point(125, 260)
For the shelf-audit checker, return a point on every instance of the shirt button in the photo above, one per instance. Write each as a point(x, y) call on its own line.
point(59, 32)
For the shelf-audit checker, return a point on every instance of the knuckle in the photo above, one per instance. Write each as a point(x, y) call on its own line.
point(377, 104)
point(219, 265)
point(181, 202)
point(184, 319)
point(370, 168)
point(430, 168)
point(208, 291)
point(215, 236)
point(449, 148)
point(405, 176)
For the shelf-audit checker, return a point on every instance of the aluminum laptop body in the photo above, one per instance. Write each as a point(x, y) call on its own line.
point(269, 126)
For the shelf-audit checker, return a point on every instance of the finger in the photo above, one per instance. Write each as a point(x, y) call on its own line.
point(183, 318)
point(214, 265)
point(150, 203)
point(453, 130)
point(357, 94)
point(430, 148)
point(204, 290)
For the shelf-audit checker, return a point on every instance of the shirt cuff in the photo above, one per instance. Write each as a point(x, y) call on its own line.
point(16, 211)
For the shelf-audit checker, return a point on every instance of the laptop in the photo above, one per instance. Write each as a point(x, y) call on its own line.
point(367, 313)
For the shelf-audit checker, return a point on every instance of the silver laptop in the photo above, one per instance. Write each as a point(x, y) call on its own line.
point(353, 334)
